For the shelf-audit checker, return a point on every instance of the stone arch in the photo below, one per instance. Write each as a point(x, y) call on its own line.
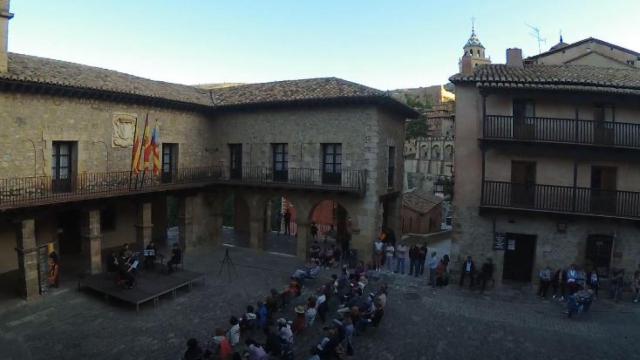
point(235, 210)
point(448, 152)
point(435, 152)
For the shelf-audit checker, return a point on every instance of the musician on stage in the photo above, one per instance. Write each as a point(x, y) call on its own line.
point(150, 255)
point(176, 258)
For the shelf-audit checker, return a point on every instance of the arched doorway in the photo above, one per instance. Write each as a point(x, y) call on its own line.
point(334, 226)
point(281, 226)
point(235, 221)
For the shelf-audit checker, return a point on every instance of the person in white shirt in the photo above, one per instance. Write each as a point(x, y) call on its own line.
point(378, 250)
point(402, 252)
point(234, 331)
point(433, 266)
point(389, 251)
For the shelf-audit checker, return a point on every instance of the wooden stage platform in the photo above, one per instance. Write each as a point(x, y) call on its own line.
point(150, 285)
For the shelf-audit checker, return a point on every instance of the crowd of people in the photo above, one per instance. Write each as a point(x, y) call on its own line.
point(344, 293)
point(564, 282)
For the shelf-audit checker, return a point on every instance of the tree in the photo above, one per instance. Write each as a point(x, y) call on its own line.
point(416, 128)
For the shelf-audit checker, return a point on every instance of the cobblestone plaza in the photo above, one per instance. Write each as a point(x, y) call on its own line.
point(418, 324)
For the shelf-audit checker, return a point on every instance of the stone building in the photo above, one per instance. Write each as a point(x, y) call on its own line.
point(547, 161)
point(66, 147)
point(421, 212)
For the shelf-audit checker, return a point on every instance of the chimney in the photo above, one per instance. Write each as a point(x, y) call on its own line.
point(514, 57)
point(466, 65)
point(5, 16)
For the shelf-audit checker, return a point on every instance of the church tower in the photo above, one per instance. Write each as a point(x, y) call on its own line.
point(473, 53)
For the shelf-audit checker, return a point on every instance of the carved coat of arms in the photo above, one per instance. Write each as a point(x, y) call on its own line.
point(124, 127)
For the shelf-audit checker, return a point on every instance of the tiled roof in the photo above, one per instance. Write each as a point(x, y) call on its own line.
point(43, 71)
point(292, 90)
point(420, 201)
point(33, 69)
point(555, 77)
point(555, 49)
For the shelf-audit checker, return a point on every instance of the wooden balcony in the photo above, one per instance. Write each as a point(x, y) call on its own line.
point(43, 190)
point(561, 131)
point(561, 199)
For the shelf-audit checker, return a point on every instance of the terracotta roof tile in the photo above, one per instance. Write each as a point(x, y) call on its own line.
point(43, 71)
point(555, 77)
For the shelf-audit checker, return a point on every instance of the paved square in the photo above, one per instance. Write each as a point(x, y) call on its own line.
point(418, 323)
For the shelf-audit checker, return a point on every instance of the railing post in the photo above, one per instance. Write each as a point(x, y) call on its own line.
point(575, 184)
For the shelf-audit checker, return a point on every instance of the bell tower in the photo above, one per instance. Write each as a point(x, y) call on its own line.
point(473, 52)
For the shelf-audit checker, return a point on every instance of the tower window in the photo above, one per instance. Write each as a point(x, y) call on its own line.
point(471, 51)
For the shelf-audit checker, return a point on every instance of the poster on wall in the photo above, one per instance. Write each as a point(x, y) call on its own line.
point(499, 241)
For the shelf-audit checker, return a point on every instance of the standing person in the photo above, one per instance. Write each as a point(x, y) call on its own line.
point(545, 280)
point(401, 258)
point(594, 281)
point(636, 285)
point(558, 283)
point(572, 279)
point(433, 266)
point(314, 231)
point(389, 251)
point(423, 257)
point(54, 270)
point(287, 222)
point(617, 284)
point(322, 304)
point(378, 253)
point(487, 273)
point(413, 258)
point(468, 269)
point(223, 346)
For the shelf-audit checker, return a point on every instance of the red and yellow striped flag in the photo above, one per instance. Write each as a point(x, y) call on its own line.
point(135, 154)
point(155, 145)
point(146, 146)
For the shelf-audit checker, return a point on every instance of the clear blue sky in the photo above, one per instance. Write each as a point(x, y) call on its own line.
point(385, 44)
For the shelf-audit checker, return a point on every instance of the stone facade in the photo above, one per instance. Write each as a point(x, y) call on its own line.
point(559, 237)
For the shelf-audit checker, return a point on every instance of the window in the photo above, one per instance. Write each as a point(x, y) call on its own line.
point(169, 161)
point(448, 153)
point(331, 163)
point(280, 162)
point(61, 165)
point(235, 161)
point(392, 166)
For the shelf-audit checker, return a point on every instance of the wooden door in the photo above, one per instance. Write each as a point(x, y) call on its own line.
point(523, 182)
point(603, 125)
point(523, 119)
point(603, 189)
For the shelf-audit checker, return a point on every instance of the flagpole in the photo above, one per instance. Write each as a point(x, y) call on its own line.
point(133, 156)
point(144, 170)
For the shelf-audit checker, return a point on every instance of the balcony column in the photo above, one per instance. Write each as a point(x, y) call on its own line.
point(144, 226)
point(256, 234)
point(303, 235)
point(92, 240)
point(186, 234)
point(28, 259)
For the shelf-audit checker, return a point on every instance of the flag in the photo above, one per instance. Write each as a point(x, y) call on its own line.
point(146, 146)
point(135, 154)
point(155, 144)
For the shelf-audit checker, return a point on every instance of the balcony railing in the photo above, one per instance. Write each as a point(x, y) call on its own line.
point(39, 190)
point(561, 199)
point(555, 130)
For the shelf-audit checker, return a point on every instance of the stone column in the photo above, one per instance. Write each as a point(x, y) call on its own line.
point(186, 234)
point(256, 235)
point(28, 259)
point(303, 235)
point(92, 238)
point(144, 226)
point(216, 224)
